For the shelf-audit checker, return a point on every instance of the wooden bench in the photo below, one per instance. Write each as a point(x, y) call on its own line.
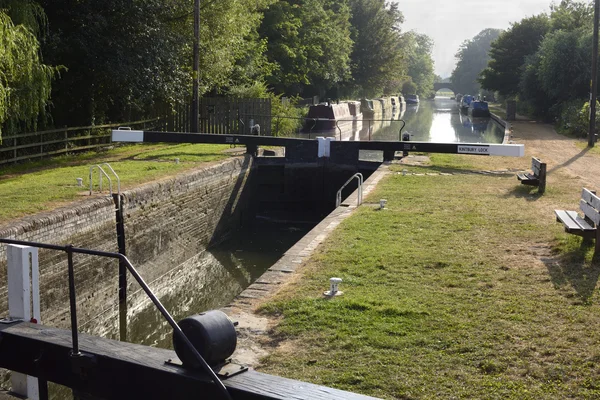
point(587, 227)
point(537, 176)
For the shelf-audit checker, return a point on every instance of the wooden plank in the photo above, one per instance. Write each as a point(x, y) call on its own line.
point(572, 221)
point(535, 165)
point(528, 179)
point(78, 128)
point(590, 198)
point(136, 371)
point(590, 212)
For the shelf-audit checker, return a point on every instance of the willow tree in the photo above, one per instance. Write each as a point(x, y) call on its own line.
point(25, 82)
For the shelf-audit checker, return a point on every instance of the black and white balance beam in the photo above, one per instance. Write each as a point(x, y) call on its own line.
point(479, 149)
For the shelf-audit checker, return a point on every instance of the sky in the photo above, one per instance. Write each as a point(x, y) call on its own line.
point(450, 22)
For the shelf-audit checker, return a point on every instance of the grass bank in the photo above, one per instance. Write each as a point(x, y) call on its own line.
point(464, 287)
point(38, 186)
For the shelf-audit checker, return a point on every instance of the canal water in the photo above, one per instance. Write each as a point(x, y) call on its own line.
point(218, 276)
point(439, 120)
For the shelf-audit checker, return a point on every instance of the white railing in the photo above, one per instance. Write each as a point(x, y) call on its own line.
point(102, 173)
point(359, 199)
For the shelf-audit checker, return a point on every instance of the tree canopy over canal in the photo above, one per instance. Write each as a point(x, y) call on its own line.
point(88, 62)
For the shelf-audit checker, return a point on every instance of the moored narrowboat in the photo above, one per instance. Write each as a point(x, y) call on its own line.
point(479, 109)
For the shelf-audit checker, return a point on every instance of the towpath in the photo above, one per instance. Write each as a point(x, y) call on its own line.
point(564, 156)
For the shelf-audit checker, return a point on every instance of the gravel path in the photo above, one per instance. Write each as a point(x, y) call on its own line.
point(562, 154)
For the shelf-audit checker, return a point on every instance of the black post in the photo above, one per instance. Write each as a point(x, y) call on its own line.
point(592, 130)
point(118, 198)
point(43, 389)
point(196, 69)
point(72, 300)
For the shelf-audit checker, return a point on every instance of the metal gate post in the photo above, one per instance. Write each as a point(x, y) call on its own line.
point(23, 303)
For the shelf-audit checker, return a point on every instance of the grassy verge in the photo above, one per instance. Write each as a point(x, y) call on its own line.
point(465, 287)
point(38, 186)
point(498, 109)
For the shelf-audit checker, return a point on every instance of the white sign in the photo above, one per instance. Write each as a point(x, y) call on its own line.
point(482, 150)
point(127, 136)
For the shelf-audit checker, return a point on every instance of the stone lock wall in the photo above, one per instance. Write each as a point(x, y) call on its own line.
point(167, 223)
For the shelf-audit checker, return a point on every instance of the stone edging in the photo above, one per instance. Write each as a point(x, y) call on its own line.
point(252, 328)
point(507, 127)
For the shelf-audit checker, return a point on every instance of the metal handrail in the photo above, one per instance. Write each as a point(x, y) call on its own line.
point(73, 301)
point(117, 176)
point(359, 199)
point(102, 172)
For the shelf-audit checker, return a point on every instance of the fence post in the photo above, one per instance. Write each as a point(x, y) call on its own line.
point(23, 303)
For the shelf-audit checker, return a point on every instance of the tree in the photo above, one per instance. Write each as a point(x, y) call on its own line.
point(472, 58)
point(126, 56)
point(509, 52)
point(418, 49)
point(570, 15)
point(309, 42)
point(377, 54)
point(25, 81)
point(409, 87)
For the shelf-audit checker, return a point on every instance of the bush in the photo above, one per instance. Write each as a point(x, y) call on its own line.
point(574, 117)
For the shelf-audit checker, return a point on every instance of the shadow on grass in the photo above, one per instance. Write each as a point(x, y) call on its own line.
point(171, 156)
point(451, 170)
point(529, 193)
point(572, 268)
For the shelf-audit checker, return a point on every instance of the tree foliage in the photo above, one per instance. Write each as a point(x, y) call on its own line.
point(377, 55)
point(309, 43)
point(25, 81)
point(509, 52)
point(472, 58)
point(418, 48)
point(126, 56)
point(569, 15)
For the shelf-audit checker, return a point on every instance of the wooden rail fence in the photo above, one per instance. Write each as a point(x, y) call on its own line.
point(217, 115)
point(28, 146)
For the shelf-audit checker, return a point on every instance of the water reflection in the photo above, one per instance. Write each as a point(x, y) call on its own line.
point(438, 120)
point(209, 280)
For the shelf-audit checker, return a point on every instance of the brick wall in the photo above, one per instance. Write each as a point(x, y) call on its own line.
point(167, 224)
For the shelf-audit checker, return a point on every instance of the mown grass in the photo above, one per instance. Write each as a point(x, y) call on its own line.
point(37, 186)
point(465, 287)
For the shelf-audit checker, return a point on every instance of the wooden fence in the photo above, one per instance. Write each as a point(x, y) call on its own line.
point(28, 146)
point(217, 115)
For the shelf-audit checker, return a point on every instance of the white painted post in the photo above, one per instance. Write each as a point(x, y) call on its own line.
point(322, 143)
point(23, 290)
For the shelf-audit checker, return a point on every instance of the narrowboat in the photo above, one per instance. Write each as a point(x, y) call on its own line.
point(465, 102)
point(327, 118)
point(479, 109)
point(412, 99)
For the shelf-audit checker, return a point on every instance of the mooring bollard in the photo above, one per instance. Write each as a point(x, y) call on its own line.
point(333, 287)
point(382, 203)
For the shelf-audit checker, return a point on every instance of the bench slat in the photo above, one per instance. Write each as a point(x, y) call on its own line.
point(527, 179)
point(590, 198)
point(573, 222)
point(590, 212)
point(536, 165)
